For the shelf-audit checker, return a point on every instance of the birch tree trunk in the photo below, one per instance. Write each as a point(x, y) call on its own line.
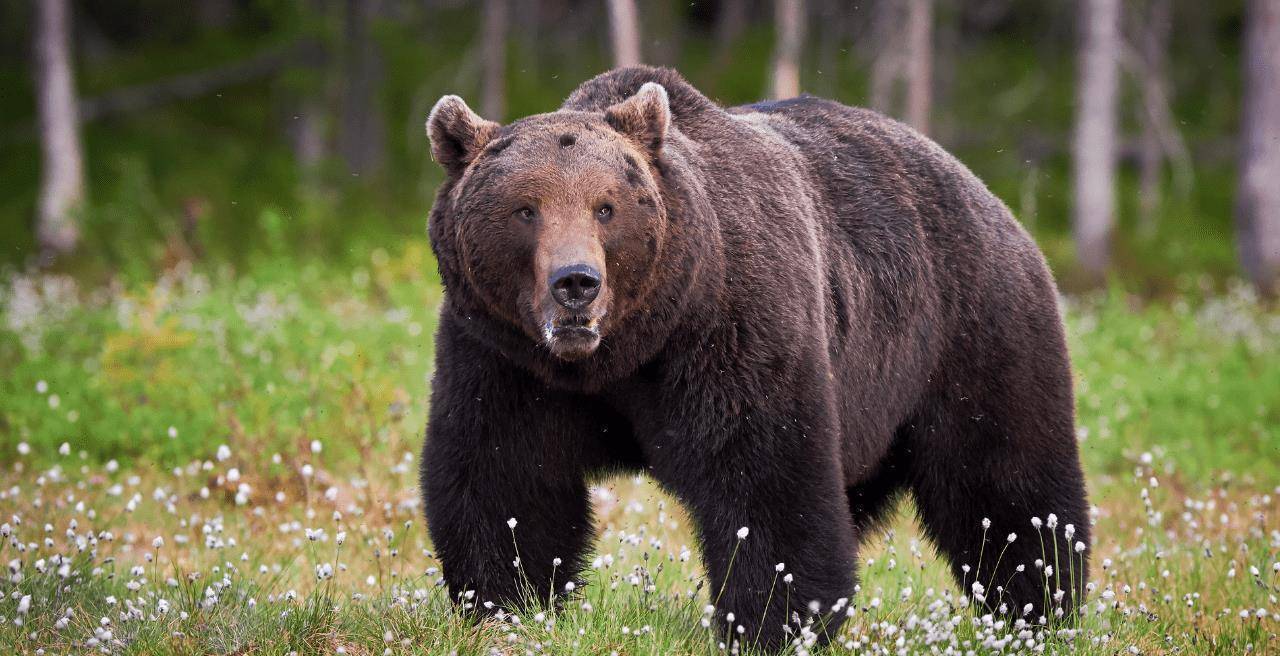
point(1095, 135)
point(62, 171)
point(790, 24)
point(1258, 200)
point(624, 29)
point(919, 64)
point(494, 42)
point(1154, 51)
point(887, 63)
point(362, 142)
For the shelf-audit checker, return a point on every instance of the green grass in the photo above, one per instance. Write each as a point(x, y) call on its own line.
point(1179, 420)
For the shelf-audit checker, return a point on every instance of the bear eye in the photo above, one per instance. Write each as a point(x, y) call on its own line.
point(526, 214)
point(605, 212)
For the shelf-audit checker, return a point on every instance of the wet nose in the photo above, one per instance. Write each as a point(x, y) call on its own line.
point(575, 286)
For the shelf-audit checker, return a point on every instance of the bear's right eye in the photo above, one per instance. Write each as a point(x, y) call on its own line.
point(526, 214)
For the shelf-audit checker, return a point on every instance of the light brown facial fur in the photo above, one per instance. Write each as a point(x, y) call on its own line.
point(555, 220)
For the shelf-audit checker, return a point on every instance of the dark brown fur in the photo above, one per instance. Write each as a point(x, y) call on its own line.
point(810, 309)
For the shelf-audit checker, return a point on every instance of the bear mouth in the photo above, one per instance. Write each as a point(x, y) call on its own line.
point(573, 337)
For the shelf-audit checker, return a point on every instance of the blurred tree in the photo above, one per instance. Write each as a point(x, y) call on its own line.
point(789, 18)
point(624, 29)
point(1258, 200)
point(904, 32)
point(215, 14)
point(62, 173)
point(887, 63)
point(1160, 140)
point(919, 63)
point(1094, 153)
point(1154, 45)
point(731, 21)
point(362, 141)
point(494, 43)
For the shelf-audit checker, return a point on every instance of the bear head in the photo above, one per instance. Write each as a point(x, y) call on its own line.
point(552, 224)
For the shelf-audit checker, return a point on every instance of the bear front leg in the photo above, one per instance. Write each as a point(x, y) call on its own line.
point(773, 519)
point(502, 447)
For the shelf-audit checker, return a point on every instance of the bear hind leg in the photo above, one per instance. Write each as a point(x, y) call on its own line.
point(988, 474)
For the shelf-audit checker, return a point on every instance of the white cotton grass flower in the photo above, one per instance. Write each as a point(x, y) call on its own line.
point(224, 453)
point(779, 567)
point(511, 523)
point(743, 532)
point(65, 449)
point(316, 446)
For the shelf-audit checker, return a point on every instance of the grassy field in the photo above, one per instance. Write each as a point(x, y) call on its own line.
point(225, 462)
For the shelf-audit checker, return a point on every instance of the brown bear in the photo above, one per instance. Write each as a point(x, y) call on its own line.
point(786, 313)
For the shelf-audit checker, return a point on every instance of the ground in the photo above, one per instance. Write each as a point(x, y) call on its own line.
point(225, 462)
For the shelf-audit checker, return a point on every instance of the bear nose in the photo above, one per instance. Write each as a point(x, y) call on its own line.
point(575, 286)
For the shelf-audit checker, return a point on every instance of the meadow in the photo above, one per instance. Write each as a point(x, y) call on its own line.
point(223, 461)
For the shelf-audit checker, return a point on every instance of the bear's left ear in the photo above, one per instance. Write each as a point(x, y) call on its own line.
point(644, 117)
point(457, 134)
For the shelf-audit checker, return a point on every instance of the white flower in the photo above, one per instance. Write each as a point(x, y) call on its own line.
point(511, 523)
point(173, 432)
point(224, 452)
point(779, 567)
point(233, 474)
point(1012, 537)
point(316, 446)
point(23, 448)
point(65, 449)
point(1079, 547)
point(1053, 521)
point(24, 604)
point(41, 387)
point(743, 532)
point(340, 538)
point(158, 542)
point(986, 523)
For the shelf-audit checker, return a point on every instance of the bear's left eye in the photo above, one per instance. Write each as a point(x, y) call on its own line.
point(605, 212)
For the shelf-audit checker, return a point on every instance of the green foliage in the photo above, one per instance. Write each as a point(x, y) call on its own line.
point(1003, 105)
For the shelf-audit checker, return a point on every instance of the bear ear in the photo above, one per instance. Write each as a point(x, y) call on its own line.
point(457, 134)
point(644, 117)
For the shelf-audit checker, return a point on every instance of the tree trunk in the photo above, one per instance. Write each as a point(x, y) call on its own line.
point(625, 32)
point(1258, 201)
point(731, 22)
point(363, 138)
point(62, 172)
point(1095, 137)
point(919, 64)
point(789, 18)
point(494, 42)
point(1154, 52)
point(214, 14)
point(887, 62)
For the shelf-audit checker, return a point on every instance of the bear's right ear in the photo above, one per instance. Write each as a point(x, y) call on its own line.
point(457, 134)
